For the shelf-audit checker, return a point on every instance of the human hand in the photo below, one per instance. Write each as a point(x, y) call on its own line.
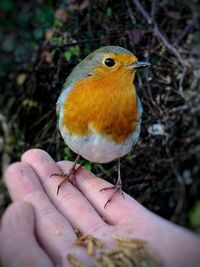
point(38, 228)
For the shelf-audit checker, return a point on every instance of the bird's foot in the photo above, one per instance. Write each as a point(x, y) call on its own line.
point(72, 172)
point(117, 189)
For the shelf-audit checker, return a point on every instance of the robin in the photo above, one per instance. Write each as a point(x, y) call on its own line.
point(99, 110)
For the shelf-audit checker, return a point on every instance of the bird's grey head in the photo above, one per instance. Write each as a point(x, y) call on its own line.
point(84, 68)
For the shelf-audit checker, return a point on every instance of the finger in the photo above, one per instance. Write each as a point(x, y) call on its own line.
point(118, 211)
point(19, 246)
point(53, 230)
point(70, 201)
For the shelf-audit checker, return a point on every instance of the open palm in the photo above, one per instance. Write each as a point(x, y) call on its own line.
point(38, 228)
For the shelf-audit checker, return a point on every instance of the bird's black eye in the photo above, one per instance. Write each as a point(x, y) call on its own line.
point(109, 62)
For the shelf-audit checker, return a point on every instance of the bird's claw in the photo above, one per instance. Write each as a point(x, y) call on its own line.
point(66, 177)
point(116, 188)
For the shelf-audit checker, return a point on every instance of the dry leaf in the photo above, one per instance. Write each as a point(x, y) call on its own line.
point(61, 15)
point(49, 35)
point(21, 78)
point(156, 129)
point(47, 56)
point(77, 5)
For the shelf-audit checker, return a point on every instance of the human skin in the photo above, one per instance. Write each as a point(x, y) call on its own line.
point(37, 228)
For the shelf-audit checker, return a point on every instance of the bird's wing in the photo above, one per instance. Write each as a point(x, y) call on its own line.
point(140, 109)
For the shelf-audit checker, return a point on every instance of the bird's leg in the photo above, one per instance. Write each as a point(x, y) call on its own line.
point(117, 187)
point(73, 170)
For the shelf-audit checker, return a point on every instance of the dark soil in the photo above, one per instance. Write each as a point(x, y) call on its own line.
point(42, 41)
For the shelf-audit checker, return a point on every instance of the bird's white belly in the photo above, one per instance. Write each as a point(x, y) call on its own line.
point(98, 149)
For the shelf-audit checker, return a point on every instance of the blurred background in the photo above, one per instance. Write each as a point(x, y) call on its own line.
point(41, 41)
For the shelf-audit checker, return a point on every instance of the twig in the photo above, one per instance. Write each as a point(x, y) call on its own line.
point(94, 40)
point(6, 146)
point(142, 11)
point(151, 97)
point(169, 46)
point(149, 90)
point(59, 65)
point(180, 201)
point(183, 34)
point(153, 10)
point(130, 13)
point(184, 72)
point(43, 117)
point(158, 33)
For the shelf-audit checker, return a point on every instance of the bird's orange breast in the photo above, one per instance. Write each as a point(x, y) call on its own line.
point(104, 103)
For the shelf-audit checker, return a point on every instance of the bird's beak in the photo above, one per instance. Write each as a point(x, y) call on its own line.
point(140, 64)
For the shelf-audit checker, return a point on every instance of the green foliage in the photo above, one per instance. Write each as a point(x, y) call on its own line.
point(44, 15)
point(72, 51)
point(154, 60)
point(53, 51)
point(57, 23)
point(87, 49)
point(32, 24)
point(6, 65)
point(88, 165)
point(196, 37)
point(9, 43)
point(67, 55)
point(67, 153)
point(142, 73)
point(109, 12)
point(194, 216)
point(57, 113)
point(7, 5)
point(57, 40)
point(38, 34)
point(22, 20)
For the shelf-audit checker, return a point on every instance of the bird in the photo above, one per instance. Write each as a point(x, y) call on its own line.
point(99, 110)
